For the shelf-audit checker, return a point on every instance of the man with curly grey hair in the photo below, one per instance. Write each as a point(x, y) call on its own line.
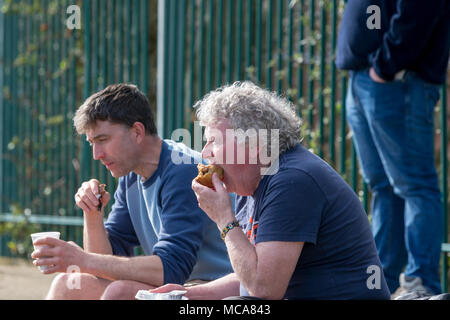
point(298, 232)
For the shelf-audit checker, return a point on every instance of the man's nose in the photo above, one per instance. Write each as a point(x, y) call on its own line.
point(97, 152)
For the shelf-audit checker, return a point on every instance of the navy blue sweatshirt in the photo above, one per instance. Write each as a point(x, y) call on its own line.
point(414, 35)
point(162, 215)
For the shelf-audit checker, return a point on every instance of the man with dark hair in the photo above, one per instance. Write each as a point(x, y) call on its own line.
point(154, 207)
point(109, 103)
point(396, 70)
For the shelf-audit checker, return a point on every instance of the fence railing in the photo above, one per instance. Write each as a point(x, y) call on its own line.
point(196, 46)
point(47, 71)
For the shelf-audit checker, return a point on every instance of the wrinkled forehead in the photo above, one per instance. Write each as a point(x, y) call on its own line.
point(217, 127)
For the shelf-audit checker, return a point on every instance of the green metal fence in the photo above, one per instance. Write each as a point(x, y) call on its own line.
point(47, 71)
point(196, 46)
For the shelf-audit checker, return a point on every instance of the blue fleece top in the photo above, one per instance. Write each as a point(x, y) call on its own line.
point(414, 35)
point(307, 201)
point(162, 215)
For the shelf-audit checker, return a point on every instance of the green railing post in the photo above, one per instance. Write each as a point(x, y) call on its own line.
point(322, 80)
point(13, 85)
point(180, 105)
point(269, 38)
point(162, 66)
point(2, 120)
point(249, 28)
point(280, 47)
point(85, 149)
point(290, 50)
point(219, 53)
point(238, 61)
point(191, 82)
point(301, 36)
point(333, 84)
point(312, 44)
point(229, 42)
point(145, 33)
point(258, 45)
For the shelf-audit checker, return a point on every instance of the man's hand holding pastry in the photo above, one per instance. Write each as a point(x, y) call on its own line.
point(91, 196)
point(215, 202)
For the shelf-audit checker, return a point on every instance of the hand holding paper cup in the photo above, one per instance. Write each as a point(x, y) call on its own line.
point(39, 235)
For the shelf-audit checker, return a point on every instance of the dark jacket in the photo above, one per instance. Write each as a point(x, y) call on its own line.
point(414, 35)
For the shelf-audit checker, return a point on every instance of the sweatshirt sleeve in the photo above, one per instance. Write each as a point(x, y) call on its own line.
point(119, 227)
point(182, 225)
point(409, 31)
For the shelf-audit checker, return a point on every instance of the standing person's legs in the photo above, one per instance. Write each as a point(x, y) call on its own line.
point(400, 115)
point(386, 207)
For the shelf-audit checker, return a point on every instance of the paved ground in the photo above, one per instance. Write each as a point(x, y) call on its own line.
point(20, 280)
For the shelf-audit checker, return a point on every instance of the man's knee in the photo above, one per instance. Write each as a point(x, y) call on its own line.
point(124, 290)
point(59, 288)
point(115, 291)
point(74, 286)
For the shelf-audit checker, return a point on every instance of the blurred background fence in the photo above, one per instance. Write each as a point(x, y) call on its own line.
point(47, 70)
point(175, 51)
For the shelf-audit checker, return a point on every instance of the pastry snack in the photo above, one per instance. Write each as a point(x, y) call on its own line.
point(205, 173)
point(101, 190)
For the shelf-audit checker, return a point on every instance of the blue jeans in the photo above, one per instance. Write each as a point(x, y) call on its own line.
point(393, 134)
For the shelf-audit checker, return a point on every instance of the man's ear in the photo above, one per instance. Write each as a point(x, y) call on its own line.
point(139, 131)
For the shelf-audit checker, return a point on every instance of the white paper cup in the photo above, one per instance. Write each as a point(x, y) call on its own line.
point(39, 235)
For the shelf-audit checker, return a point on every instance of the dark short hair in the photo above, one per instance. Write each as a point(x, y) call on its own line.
point(119, 103)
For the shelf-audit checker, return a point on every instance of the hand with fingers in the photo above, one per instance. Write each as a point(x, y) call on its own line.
point(214, 202)
point(171, 287)
point(91, 197)
point(57, 254)
point(375, 77)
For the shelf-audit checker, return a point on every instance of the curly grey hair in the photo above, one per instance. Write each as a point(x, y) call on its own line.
point(248, 106)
